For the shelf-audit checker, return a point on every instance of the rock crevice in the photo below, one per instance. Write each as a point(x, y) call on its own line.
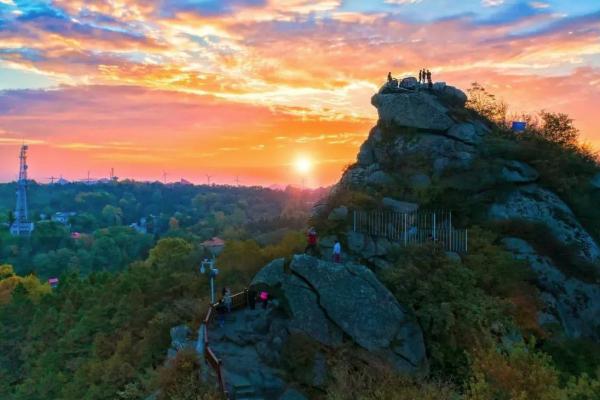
point(348, 301)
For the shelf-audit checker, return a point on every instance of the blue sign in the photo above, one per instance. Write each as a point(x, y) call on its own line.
point(518, 126)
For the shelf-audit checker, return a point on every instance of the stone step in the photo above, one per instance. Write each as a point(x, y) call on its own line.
point(244, 392)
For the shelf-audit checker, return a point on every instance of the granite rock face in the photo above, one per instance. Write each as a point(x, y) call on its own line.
point(399, 206)
point(518, 172)
point(180, 340)
point(572, 303)
point(464, 132)
point(415, 109)
point(330, 301)
point(535, 204)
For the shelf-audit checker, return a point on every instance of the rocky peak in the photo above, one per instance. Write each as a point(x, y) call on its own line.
point(419, 122)
point(427, 141)
point(415, 105)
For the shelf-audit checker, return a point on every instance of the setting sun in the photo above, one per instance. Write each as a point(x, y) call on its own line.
point(303, 165)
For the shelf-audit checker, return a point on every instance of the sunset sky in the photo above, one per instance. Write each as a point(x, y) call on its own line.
point(248, 88)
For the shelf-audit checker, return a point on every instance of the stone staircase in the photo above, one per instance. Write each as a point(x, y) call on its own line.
point(237, 344)
point(245, 392)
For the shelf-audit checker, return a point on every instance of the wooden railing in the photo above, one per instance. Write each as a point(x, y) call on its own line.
point(238, 300)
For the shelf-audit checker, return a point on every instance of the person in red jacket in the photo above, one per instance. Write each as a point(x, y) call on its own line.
point(312, 248)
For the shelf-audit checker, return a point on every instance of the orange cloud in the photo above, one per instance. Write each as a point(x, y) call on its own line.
point(153, 85)
point(141, 132)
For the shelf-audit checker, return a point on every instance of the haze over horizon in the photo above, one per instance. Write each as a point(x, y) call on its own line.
point(273, 92)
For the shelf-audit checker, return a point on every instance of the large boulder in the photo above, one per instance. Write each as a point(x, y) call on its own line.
point(399, 206)
point(410, 83)
point(180, 340)
point(532, 203)
point(465, 132)
point(329, 301)
point(353, 177)
point(431, 146)
point(459, 160)
point(518, 172)
point(366, 246)
point(450, 94)
point(414, 109)
point(379, 178)
point(573, 303)
point(338, 214)
point(300, 301)
point(420, 180)
point(353, 298)
point(365, 155)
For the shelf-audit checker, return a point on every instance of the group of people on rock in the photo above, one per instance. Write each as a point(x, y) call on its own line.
point(312, 247)
point(223, 306)
point(424, 78)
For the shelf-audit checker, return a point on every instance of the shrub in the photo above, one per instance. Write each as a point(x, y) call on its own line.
point(522, 373)
point(574, 357)
point(298, 357)
point(486, 104)
point(565, 256)
point(453, 311)
point(180, 379)
point(361, 382)
point(242, 259)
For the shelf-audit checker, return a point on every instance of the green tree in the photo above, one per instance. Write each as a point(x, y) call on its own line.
point(486, 104)
point(106, 254)
point(558, 128)
point(112, 215)
point(48, 235)
point(453, 311)
point(172, 253)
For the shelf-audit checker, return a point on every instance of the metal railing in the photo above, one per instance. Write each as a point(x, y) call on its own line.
point(238, 300)
point(417, 227)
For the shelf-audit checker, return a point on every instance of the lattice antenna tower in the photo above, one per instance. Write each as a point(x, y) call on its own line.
point(22, 226)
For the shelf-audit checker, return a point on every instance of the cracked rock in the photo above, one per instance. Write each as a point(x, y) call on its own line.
point(328, 301)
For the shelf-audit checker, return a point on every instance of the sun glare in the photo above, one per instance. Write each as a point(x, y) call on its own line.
point(303, 165)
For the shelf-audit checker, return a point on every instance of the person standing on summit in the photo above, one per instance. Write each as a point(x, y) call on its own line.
point(420, 76)
point(390, 77)
point(429, 83)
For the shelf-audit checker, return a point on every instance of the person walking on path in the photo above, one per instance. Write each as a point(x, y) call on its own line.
point(227, 300)
point(220, 309)
point(264, 297)
point(252, 299)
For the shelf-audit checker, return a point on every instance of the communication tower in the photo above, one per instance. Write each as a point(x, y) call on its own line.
point(21, 226)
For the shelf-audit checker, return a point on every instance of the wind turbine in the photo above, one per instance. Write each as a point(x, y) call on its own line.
point(88, 179)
